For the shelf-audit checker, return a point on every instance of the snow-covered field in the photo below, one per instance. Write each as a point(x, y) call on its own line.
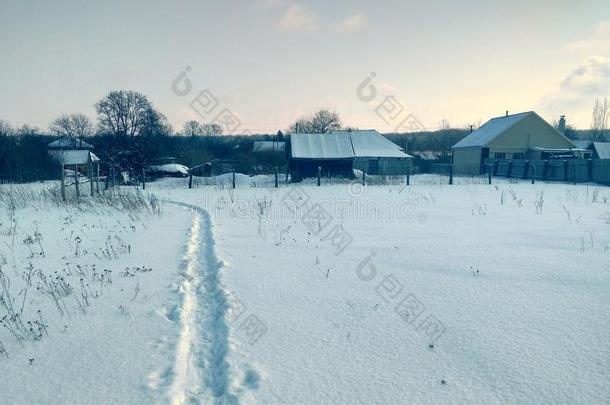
point(340, 294)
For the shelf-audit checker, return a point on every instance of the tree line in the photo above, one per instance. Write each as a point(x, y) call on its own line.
point(132, 133)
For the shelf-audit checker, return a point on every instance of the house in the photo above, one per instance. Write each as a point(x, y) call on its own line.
point(340, 152)
point(519, 136)
point(71, 151)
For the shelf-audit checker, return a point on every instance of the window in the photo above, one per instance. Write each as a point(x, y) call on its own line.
point(500, 155)
point(518, 156)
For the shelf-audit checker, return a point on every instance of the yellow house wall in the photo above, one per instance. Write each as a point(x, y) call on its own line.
point(531, 132)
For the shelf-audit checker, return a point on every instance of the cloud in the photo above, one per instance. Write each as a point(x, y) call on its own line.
point(353, 23)
point(590, 79)
point(577, 92)
point(298, 17)
point(270, 3)
point(595, 41)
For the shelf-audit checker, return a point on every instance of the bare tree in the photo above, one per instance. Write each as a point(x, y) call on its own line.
point(444, 138)
point(211, 129)
point(192, 128)
point(325, 121)
point(301, 126)
point(599, 121)
point(82, 125)
point(128, 113)
point(26, 129)
point(74, 126)
point(5, 128)
point(322, 122)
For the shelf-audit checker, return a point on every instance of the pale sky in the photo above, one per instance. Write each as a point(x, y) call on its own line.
point(270, 61)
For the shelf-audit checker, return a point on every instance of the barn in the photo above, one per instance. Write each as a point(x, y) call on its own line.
point(516, 136)
point(599, 150)
point(340, 152)
point(375, 154)
point(332, 152)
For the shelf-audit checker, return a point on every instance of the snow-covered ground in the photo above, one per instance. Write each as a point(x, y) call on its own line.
point(338, 294)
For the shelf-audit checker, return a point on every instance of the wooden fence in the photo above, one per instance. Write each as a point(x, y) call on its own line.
point(570, 170)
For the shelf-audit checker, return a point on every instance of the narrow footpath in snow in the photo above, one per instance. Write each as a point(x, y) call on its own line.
point(201, 371)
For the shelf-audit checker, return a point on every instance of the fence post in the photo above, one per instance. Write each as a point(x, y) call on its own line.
point(363, 178)
point(489, 173)
point(526, 169)
point(233, 178)
point(112, 179)
point(450, 174)
point(191, 181)
point(97, 177)
point(545, 168)
point(276, 177)
point(575, 170)
point(590, 169)
point(63, 182)
point(319, 174)
point(533, 173)
point(408, 176)
point(76, 181)
point(107, 182)
point(565, 170)
point(91, 177)
point(143, 179)
point(509, 173)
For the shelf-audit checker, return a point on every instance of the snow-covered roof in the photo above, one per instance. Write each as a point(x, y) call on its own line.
point(371, 143)
point(73, 157)
point(344, 145)
point(72, 143)
point(268, 146)
point(427, 154)
point(491, 130)
point(169, 168)
point(582, 144)
point(602, 149)
point(321, 146)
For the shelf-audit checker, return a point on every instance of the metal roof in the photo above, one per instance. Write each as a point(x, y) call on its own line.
point(268, 146)
point(371, 143)
point(73, 157)
point(491, 130)
point(70, 143)
point(344, 145)
point(602, 149)
point(321, 146)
